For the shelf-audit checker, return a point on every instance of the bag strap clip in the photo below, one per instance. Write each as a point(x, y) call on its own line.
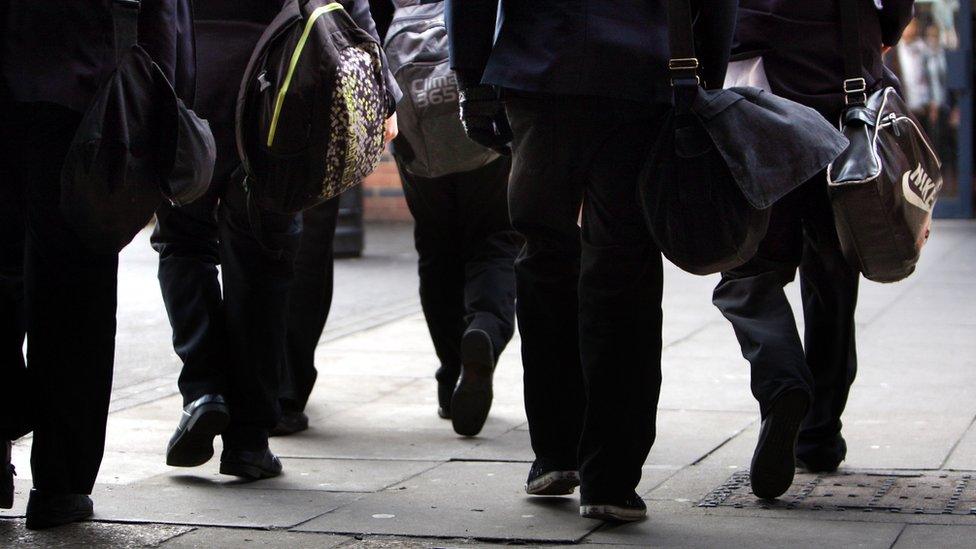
point(855, 91)
point(684, 68)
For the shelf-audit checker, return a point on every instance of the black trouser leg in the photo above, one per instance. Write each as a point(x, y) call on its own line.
point(752, 298)
point(70, 303)
point(14, 401)
point(258, 262)
point(489, 249)
point(829, 288)
point(309, 302)
point(438, 238)
point(188, 243)
point(620, 310)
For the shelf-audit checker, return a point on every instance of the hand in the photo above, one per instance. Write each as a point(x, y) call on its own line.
point(483, 117)
point(390, 129)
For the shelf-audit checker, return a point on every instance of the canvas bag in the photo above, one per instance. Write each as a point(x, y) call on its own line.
point(137, 145)
point(432, 142)
point(884, 186)
point(722, 159)
point(311, 108)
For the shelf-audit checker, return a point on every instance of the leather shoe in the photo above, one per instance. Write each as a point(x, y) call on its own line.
point(7, 473)
point(289, 423)
point(45, 510)
point(773, 463)
point(250, 464)
point(472, 397)
point(202, 420)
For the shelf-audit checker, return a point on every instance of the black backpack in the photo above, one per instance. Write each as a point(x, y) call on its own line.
point(432, 142)
point(311, 108)
point(137, 145)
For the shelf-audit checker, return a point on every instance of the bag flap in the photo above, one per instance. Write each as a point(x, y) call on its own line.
point(771, 145)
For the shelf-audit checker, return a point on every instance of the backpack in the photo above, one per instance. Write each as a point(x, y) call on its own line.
point(432, 142)
point(311, 108)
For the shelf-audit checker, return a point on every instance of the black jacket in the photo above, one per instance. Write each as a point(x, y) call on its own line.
point(60, 51)
point(800, 43)
point(607, 48)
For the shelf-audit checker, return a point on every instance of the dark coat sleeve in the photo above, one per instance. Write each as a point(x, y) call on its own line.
point(166, 33)
point(714, 31)
point(895, 16)
point(471, 31)
point(359, 11)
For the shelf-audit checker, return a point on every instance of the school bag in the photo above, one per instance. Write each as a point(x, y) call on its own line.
point(432, 142)
point(311, 108)
point(884, 186)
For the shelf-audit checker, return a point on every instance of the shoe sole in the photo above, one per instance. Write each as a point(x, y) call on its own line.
point(774, 462)
point(194, 446)
point(612, 513)
point(472, 398)
point(554, 483)
point(250, 472)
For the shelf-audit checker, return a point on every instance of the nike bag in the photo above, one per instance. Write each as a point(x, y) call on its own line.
point(432, 142)
point(723, 157)
point(137, 145)
point(884, 186)
point(311, 108)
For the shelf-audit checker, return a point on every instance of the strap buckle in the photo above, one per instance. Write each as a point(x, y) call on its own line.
point(684, 65)
point(855, 91)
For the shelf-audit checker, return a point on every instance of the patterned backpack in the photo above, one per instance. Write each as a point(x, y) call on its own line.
point(311, 108)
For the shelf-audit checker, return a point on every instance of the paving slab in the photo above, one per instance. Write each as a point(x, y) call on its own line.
point(963, 457)
point(481, 500)
point(13, 533)
point(198, 502)
point(333, 475)
point(234, 538)
point(901, 441)
point(923, 536)
point(343, 442)
point(22, 489)
point(696, 530)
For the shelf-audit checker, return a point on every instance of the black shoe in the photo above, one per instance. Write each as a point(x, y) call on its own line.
point(192, 443)
point(445, 391)
point(823, 457)
point(774, 463)
point(629, 510)
point(250, 464)
point(472, 397)
point(551, 482)
point(49, 510)
point(7, 473)
point(290, 423)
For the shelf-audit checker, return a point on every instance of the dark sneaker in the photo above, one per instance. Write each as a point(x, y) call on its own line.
point(550, 482)
point(628, 510)
point(250, 464)
point(202, 420)
point(821, 458)
point(7, 473)
point(773, 463)
point(290, 423)
point(472, 397)
point(48, 510)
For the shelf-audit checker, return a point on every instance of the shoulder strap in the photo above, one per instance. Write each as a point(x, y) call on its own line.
point(125, 25)
point(855, 87)
point(683, 64)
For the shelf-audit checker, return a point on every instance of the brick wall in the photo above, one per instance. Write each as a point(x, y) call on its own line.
point(383, 196)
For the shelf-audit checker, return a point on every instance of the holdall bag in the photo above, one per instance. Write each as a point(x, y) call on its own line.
point(722, 158)
point(432, 142)
point(884, 186)
point(311, 108)
point(137, 145)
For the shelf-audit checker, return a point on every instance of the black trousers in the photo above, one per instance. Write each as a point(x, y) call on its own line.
point(589, 304)
point(231, 338)
point(801, 235)
point(309, 302)
point(466, 247)
point(62, 296)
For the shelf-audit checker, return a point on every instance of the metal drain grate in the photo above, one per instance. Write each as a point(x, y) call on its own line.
point(923, 493)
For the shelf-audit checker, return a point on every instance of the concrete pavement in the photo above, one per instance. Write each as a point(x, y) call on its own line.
point(378, 468)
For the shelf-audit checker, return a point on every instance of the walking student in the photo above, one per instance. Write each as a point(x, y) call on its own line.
point(232, 338)
point(54, 56)
point(583, 93)
point(802, 386)
point(456, 191)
